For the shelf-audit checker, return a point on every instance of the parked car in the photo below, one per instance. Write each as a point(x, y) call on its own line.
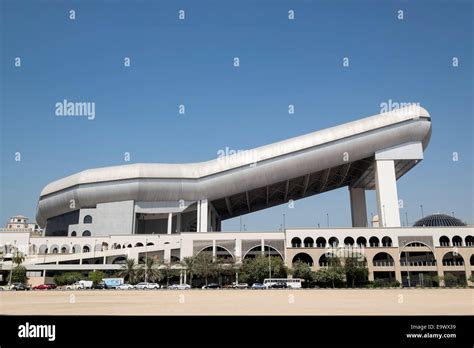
point(99, 286)
point(80, 285)
point(279, 286)
point(19, 287)
point(179, 287)
point(146, 285)
point(125, 287)
point(258, 286)
point(44, 287)
point(212, 286)
point(240, 285)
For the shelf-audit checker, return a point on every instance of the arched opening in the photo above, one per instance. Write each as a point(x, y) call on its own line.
point(64, 249)
point(257, 250)
point(325, 259)
point(138, 245)
point(120, 260)
point(469, 241)
point(333, 242)
point(361, 241)
point(303, 257)
point(472, 260)
point(86, 249)
point(321, 242)
point(76, 249)
point(457, 241)
point(86, 233)
point(129, 246)
point(308, 242)
point(296, 242)
point(444, 241)
point(413, 266)
point(105, 246)
point(73, 234)
point(374, 242)
point(221, 253)
point(54, 249)
point(386, 241)
point(453, 259)
point(33, 249)
point(383, 260)
point(349, 241)
point(43, 249)
point(150, 244)
point(87, 219)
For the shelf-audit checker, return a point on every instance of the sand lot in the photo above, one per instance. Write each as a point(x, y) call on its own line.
point(241, 302)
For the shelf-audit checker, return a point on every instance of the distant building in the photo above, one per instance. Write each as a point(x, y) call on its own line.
point(19, 223)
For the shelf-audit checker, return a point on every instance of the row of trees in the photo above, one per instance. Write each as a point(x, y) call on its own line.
point(353, 272)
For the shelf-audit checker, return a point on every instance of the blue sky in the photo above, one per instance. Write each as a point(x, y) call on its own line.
point(190, 62)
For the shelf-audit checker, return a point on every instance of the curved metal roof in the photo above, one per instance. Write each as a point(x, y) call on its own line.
point(230, 182)
point(438, 220)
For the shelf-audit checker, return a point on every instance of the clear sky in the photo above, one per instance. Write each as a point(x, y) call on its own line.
point(190, 62)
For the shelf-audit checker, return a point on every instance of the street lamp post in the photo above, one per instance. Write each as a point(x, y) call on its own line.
point(327, 218)
point(45, 251)
point(422, 214)
point(406, 217)
point(406, 262)
point(284, 222)
point(146, 258)
point(269, 265)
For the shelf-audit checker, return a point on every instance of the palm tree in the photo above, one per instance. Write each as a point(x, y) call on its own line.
point(167, 271)
point(18, 258)
point(129, 270)
point(189, 264)
point(150, 268)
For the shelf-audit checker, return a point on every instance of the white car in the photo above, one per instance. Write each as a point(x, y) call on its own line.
point(145, 285)
point(124, 287)
point(179, 287)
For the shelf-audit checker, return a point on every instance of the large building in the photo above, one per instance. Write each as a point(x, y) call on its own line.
point(96, 218)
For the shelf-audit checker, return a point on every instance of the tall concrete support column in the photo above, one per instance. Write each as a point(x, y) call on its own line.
point(203, 215)
point(387, 196)
point(238, 250)
point(170, 222)
point(178, 223)
point(358, 207)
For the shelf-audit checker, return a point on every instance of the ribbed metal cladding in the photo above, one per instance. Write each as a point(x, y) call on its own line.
point(438, 220)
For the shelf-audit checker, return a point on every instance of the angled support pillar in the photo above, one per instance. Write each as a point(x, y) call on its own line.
point(386, 180)
point(387, 196)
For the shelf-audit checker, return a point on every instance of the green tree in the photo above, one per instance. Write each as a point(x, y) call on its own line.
point(18, 275)
point(204, 265)
point(18, 258)
point(356, 270)
point(129, 271)
point(188, 264)
point(255, 270)
point(68, 278)
point(151, 268)
point(168, 271)
point(96, 277)
point(303, 270)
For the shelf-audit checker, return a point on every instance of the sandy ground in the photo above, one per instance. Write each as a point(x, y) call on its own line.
point(240, 302)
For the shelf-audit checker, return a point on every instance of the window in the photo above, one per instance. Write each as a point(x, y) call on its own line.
point(73, 233)
point(87, 219)
point(86, 233)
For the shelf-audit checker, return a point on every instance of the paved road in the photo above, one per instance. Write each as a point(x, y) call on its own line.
point(242, 302)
